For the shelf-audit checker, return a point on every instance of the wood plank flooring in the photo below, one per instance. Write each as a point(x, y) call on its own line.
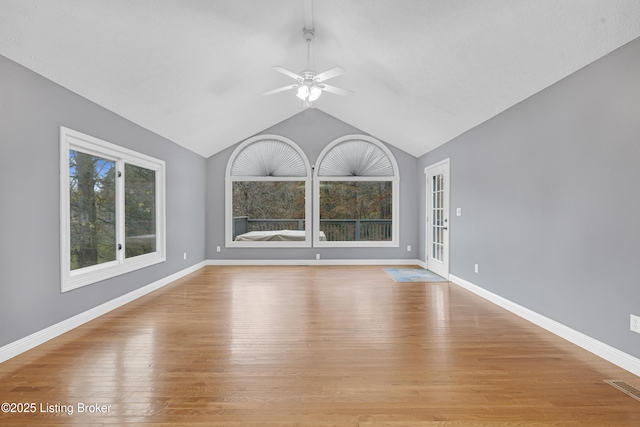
point(313, 346)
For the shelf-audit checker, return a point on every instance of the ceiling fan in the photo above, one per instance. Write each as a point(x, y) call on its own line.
point(310, 84)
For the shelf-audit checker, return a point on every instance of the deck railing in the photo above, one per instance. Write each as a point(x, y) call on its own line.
point(334, 229)
point(356, 229)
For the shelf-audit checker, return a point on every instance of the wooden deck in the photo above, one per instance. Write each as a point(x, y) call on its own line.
point(313, 346)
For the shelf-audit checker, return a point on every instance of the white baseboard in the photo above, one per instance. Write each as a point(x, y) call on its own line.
point(313, 262)
point(611, 354)
point(27, 343)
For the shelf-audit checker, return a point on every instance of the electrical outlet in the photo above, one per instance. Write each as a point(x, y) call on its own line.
point(317, 256)
point(635, 323)
point(185, 255)
point(475, 268)
point(217, 248)
point(408, 248)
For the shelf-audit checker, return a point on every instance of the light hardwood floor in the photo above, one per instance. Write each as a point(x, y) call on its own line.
point(314, 346)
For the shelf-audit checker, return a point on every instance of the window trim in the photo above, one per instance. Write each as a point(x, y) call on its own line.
point(74, 140)
point(395, 196)
point(228, 209)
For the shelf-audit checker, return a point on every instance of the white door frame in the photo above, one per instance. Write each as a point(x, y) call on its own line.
point(440, 267)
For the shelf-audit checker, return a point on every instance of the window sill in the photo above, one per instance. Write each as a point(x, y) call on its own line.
point(356, 244)
point(86, 276)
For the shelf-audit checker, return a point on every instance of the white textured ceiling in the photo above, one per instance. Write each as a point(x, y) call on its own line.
point(423, 71)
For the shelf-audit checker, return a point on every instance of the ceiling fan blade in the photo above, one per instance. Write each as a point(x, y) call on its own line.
point(329, 74)
point(280, 89)
point(336, 90)
point(287, 72)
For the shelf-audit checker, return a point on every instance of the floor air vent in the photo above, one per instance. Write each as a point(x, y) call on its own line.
point(625, 388)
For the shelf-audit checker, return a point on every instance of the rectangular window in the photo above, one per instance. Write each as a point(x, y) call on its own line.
point(268, 211)
point(140, 210)
point(92, 204)
point(356, 211)
point(112, 210)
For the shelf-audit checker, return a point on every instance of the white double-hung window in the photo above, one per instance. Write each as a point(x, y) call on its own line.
point(112, 210)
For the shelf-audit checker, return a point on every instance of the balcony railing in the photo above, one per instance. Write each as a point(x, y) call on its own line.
point(334, 229)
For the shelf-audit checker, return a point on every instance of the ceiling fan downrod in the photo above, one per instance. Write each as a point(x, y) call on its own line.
point(309, 90)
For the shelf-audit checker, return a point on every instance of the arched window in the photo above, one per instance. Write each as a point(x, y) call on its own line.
point(356, 192)
point(267, 182)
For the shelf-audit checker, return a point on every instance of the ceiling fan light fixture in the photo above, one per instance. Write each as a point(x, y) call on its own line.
point(314, 93)
point(303, 92)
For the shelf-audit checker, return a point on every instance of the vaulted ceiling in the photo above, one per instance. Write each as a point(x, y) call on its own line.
point(423, 71)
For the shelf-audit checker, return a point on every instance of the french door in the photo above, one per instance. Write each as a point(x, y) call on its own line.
point(437, 218)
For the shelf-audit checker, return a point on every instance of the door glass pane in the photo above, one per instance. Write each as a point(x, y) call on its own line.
point(140, 210)
point(437, 215)
point(92, 195)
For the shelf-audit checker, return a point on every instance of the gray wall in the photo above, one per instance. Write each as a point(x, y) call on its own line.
point(312, 130)
point(32, 109)
point(550, 201)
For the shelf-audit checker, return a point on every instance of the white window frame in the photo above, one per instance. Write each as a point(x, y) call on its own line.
point(230, 179)
point(395, 196)
point(74, 140)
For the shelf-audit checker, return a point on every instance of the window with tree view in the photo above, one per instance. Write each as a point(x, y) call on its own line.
point(268, 206)
point(356, 191)
point(112, 210)
point(140, 210)
point(92, 190)
point(267, 183)
point(356, 210)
